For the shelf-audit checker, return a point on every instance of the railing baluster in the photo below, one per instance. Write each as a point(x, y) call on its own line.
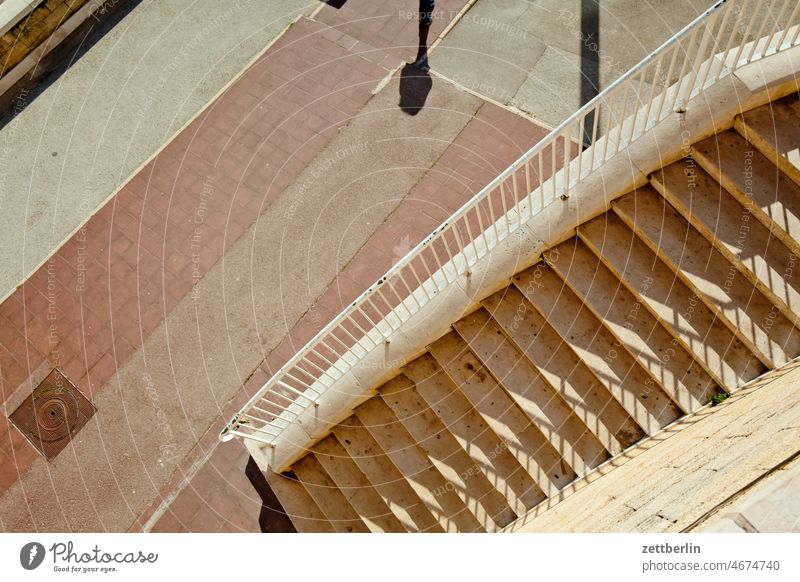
point(735, 64)
point(729, 44)
point(622, 117)
point(686, 59)
point(791, 19)
point(758, 35)
point(540, 185)
point(722, 26)
point(528, 190)
point(665, 90)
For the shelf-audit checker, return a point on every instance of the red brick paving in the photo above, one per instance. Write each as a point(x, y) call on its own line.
point(96, 300)
point(217, 499)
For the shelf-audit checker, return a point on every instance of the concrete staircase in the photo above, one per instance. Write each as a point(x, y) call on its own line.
point(684, 289)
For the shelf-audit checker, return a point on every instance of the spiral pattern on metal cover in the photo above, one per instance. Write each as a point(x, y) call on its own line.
point(56, 415)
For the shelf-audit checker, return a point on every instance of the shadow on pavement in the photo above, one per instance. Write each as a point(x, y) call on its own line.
point(415, 84)
point(273, 518)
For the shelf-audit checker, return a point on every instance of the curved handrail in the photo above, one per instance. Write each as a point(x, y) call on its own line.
point(728, 35)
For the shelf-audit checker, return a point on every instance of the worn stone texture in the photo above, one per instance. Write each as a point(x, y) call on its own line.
point(675, 478)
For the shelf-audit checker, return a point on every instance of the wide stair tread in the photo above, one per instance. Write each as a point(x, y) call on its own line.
point(670, 300)
point(328, 496)
point(526, 441)
point(642, 335)
point(355, 486)
point(474, 434)
point(492, 355)
point(631, 385)
point(774, 129)
point(730, 227)
point(744, 309)
point(562, 368)
point(388, 481)
point(755, 181)
point(464, 476)
point(416, 466)
point(300, 507)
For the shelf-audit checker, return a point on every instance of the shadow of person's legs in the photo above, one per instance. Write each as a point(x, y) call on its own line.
point(415, 84)
point(273, 518)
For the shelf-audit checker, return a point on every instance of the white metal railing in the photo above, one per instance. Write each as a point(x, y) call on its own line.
point(728, 35)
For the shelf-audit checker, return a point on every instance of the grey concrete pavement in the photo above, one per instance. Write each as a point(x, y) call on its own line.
point(548, 57)
point(73, 145)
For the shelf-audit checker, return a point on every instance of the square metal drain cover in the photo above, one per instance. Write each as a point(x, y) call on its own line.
point(53, 414)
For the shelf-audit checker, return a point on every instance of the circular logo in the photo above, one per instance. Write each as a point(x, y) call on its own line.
point(31, 555)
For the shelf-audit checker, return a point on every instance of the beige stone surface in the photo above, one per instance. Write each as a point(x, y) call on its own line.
point(355, 487)
point(410, 509)
point(737, 303)
point(745, 172)
point(673, 479)
point(770, 506)
point(773, 129)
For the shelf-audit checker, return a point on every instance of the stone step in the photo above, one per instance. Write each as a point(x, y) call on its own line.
point(387, 480)
point(616, 369)
point(755, 181)
point(474, 434)
point(559, 365)
point(355, 487)
point(328, 496)
point(670, 300)
point(774, 129)
point(301, 508)
point(526, 441)
point(730, 227)
point(491, 354)
point(666, 357)
point(463, 476)
point(745, 310)
point(416, 466)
